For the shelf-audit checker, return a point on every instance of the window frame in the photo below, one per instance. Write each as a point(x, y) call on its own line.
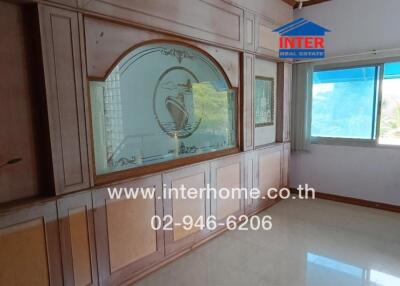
point(379, 64)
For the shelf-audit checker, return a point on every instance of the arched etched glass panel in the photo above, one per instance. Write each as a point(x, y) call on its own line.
point(161, 102)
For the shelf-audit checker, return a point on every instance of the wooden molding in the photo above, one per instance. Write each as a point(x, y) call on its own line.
point(355, 201)
point(309, 3)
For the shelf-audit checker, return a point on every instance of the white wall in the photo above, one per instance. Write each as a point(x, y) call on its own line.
point(356, 25)
point(365, 173)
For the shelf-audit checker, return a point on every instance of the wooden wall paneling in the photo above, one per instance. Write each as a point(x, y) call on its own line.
point(248, 96)
point(285, 167)
point(125, 241)
point(196, 176)
point(249, 31)
point(107, 41)
point(70, 3)
point(269, 171)
point(75, 216)
point(251, 179)
point(29, 246)
point(65, 100)
point(228, 173)
point(287, 101)
point(21, 127)
point(283, 101)
point(267, 42)
point(207, 20)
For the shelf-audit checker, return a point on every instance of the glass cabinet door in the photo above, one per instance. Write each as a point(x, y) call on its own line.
point(161, 102)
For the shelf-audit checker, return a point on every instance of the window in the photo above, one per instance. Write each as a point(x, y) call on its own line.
point(344, 103)
point(390, 110)
point(161, 102)
point(357, 103)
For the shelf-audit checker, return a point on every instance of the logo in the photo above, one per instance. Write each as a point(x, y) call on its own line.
point(301, 39)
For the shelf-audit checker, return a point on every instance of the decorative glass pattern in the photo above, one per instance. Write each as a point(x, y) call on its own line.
point(264, 101)
point(161, 102)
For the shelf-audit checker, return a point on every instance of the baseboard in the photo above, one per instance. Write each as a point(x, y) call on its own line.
point(354, 201)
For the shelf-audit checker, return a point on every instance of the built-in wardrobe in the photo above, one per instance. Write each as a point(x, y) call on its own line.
point(113, 94)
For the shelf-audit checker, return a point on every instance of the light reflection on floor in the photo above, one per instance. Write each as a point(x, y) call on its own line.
point(344, 274)
point(312, 243)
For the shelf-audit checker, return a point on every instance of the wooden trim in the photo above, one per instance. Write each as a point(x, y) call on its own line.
point(309, 3)
point(101, 180)
point(354, 201)
point(163, 41)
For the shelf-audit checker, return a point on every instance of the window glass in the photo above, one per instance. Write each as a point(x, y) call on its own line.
point(390, 108)
point(344, 103)
point(161, 102)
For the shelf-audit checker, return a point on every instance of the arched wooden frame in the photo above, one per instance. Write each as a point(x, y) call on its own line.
point(162, 166)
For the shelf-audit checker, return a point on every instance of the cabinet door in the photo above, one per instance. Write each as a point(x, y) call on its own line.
point(284, 98)
point(77, 240)
point(228, 174)
point(267, 42)
point(197, 177)
point(248, 108)
point(29, 246)
point(125, 239)
point(60, 42)
point(268, 172)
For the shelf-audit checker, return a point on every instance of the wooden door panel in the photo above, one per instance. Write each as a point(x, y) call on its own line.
point(77, 240)
point(197, 176)
point(64, 97)
point(126, 242)
point(267, 41)
point(228, 173)
point(29, 246)
point(269, 172)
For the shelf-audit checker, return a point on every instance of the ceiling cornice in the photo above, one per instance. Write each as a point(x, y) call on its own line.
point(295, 4)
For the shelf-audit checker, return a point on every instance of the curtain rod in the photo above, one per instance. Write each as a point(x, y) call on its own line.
point(368, 54)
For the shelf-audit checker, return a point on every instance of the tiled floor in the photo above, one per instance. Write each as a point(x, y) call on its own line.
point(313, 243)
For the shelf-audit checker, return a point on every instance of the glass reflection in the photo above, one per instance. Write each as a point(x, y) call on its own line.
point(161, 102)
point(322, 270)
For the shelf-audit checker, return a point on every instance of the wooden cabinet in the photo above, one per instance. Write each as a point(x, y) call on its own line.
point(284, 98)
point(29, 246)
point(248, 96)
point(75, 216)
point(62, 66)
point(267, 41)
point(197, 177)
point(268, 172)
point(227, 177)
point(126, 242)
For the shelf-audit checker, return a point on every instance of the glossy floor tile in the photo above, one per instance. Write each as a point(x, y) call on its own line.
point(312, 243)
